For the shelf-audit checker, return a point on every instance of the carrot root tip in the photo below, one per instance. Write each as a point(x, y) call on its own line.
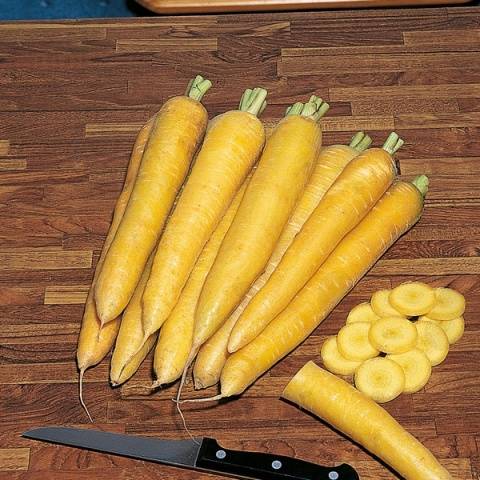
point(80, 394)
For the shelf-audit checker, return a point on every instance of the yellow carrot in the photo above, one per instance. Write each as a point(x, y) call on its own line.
point(130, 337)
point(178, 129)
point(281, 175)
point(231, 146)
point(356, 190)
point(212, 356)
point(175, 340)
point(364, 421)
point(331, 161)
point(94, 342)
point(134, 363)
point(398, 209)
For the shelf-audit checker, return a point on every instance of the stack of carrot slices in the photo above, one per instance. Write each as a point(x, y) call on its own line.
point(391, 343)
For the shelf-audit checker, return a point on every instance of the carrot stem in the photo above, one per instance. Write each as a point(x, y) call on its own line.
point(253, 101)
point(421, 182)
point(360, 141)
point(393, 143)
point(197, 87)
point(315, 108)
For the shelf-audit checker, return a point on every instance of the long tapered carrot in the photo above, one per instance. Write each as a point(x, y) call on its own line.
point(233, 142)
point(360, 185)
point(176, 334)
point(330, 163)
point(130, 337)
point(178, 129)
point(396, 212)
point(94, 342)
point(281, 175)
point(364, 421)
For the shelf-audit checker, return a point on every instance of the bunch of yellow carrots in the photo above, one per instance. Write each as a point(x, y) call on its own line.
point(228, 248)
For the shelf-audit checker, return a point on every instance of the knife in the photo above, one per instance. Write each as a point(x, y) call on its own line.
point(199, 454)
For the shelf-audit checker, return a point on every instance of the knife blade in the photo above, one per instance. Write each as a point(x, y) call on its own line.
point(203, 454)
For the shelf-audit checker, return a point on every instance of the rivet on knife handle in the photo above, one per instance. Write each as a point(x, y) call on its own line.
point(265, 466)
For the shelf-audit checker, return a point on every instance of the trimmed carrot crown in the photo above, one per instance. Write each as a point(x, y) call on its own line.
point(360, 141)
point(393, 143)
point(253, 101)
point(198, 87)
point(315, 108)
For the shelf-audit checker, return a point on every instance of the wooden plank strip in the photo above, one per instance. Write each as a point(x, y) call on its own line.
point(428, 266)
point(49, 373)
point(438, 165)
point(39, 333)
point(21, 295)
point(370, 49)
point(168, 44)
point(455, 37)
point(14, 458)
point(66, 294)
point(109, 129)
point(45, 260)
point(50, 33)
point(356, 123)
point(4, 147)
point(441, 248)
point(13, 164)
point(298, 66)
point(386, 106)
point(420, 120)
point(447, 91)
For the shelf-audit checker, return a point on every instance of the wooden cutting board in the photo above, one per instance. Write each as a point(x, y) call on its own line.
point(73, 96)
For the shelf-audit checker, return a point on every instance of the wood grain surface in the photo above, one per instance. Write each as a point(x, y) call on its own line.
point(73, 96)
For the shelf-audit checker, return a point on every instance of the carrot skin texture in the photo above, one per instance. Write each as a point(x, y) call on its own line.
point(133, 365)
point(95, 342)
point(398, 209)
point(359, 186)
point(176, 335)
point(364, 421)
point(281, 174)
point(212, 356)
point(176, 134)
point(130, 337)
point(214, 353)
point(233, 142)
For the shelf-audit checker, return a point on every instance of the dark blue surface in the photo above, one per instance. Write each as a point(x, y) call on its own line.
point(32, 9)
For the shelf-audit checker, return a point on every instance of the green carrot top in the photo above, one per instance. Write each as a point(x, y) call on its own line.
point(315, 108)
point(253, 101)
point(198, 87)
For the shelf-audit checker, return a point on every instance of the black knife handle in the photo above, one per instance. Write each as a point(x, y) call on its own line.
point(265, 466)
